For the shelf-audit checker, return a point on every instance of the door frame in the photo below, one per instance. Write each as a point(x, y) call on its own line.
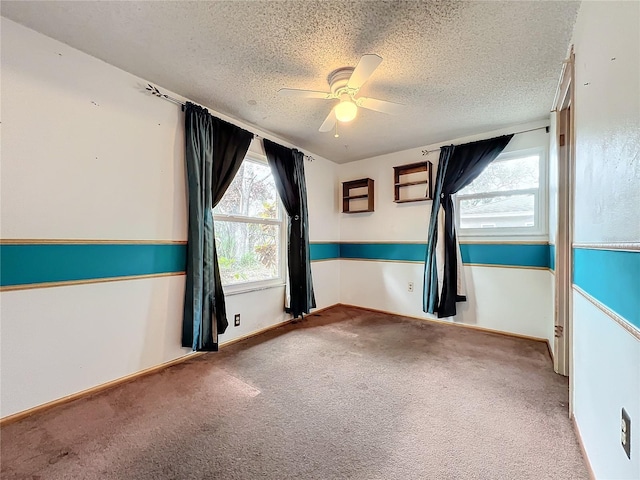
point(564, 109)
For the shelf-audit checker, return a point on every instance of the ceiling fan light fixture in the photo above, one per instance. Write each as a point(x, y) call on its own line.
point(346, 111)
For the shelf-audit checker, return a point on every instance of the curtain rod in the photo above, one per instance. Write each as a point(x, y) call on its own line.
point(157, 93)
point(427, 152)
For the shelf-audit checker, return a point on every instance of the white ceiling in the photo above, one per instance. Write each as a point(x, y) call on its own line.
point(461, 68)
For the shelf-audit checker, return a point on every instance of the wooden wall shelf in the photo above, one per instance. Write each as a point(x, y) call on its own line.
point(411, 175)
point(348, 195)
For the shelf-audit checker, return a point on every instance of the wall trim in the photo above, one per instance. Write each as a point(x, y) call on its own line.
point(271, 327)
point(404, 252)
point(550, 350)
point(390, 242)
point(576, 429)
point(627, 246)
point(444, 322)
point(136, 375)
point(627, 326)
point(98, 388)
point(67, 283)
point(254, 333)
point(517, 255)
point(380, 260)
point(504, 266)
point(490, 265)
point(462, 241)
point(384, 242)
point(75, 241)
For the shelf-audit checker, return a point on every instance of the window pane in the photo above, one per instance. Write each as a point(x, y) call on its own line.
point(252, 193)
point(247, 252)
point(505, 175)
point(498, 212)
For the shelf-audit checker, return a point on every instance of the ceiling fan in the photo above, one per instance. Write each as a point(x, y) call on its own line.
point(345, 83)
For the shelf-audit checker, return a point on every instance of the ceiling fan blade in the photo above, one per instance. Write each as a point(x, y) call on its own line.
point(292, 92)
point(381, 105)
point(365, 68)
point(329, 122)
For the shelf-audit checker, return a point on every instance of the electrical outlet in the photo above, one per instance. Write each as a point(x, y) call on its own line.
point(236, 320)
point(411, 286)
point(625, 433)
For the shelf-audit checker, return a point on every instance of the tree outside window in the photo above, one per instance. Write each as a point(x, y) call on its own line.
point(248, 227)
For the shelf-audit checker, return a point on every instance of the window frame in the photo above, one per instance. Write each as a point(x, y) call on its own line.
point(281, 220)
point(539, 230)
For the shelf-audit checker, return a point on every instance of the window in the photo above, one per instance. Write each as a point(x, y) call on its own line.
point(506, 199)
point(249, 230)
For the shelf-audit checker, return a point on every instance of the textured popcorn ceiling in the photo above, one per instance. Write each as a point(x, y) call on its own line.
point(460, 67)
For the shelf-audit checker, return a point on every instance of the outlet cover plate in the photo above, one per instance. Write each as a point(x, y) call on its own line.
point(236, 320)
point(625, 434)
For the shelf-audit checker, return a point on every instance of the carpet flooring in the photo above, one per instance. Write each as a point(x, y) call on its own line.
point(344, 394)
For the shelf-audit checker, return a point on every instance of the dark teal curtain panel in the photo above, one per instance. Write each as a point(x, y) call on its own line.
point(430, 284)
point(215, 150)
point(287, 166)
point(458, 167)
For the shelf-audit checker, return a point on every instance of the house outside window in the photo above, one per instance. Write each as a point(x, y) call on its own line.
point(250, 229)
point(508, 198)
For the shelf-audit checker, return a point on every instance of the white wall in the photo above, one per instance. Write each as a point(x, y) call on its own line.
point(87, 154)
point(409, 221)
point(607, 122)
point(606, 357)
point(58, 341)
point(606, 379)
point(516, 300)
point(511, 300)
point(324, 226)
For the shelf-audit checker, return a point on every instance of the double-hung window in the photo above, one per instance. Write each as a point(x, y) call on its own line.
point(507, 198)
point(250, 230)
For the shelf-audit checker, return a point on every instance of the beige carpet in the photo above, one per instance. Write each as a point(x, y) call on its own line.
point(346, 394)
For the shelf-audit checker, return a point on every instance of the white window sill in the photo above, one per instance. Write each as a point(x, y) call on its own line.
point(503, 238)
point(240, 289)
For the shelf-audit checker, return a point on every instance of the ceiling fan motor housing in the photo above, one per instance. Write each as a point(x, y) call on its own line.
point(338, 80)
point(345, 83)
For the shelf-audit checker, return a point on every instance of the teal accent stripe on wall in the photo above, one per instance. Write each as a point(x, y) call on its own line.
point(43, 263)
point(28, 264)
point(612, 277)
point(324, 251)
point(552, 257)
point(404, 252)
point(520, 255)
point(515, 255)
